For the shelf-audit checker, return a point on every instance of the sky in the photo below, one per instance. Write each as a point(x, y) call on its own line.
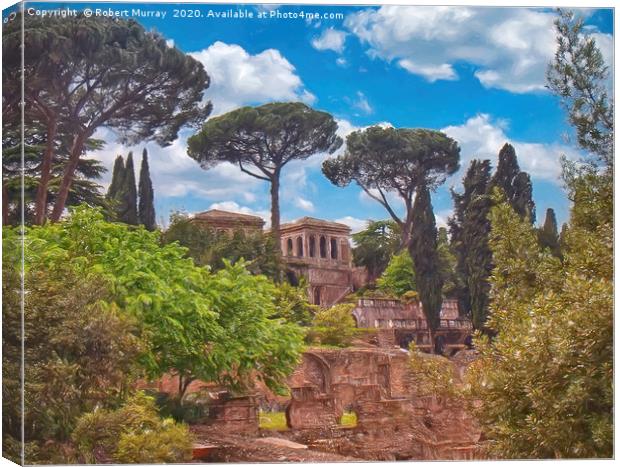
point(475, 73)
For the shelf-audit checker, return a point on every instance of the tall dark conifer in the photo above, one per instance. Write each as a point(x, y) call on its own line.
point(117, 178)
point(146, 208)
point(423, 251)
point(469, 231)
point(515, 184)
point(548, 234)
point(128, 196)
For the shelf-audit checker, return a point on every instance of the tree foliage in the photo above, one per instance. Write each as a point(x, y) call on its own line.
point(515, 184)
point(262, 140)
point(199, 325)
point(423, 252)
point(80, 349)
point(131, 434)
point(334, 326)
point(207, 247)
point(399, 277)
point(548, 236)
point(390, 160)
point(82, 74)
point(127, 208)
point(580, 77)
point(375, 245)
point(545, 381)
point(146, 206)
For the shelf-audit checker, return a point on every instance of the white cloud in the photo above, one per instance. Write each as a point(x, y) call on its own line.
point(356, 224)
point(510, 46)
point(341, 61)
point(330, 39)
point(175, 175)
point(481, 138)
point(441, 217)
point(239, 78)
point(170, 43)
point(304, 204)
point(361, 103)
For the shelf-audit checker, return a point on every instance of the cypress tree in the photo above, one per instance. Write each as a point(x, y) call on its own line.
point(128, 196)
point(423, 251)
point(469, 231)
point(118, 172)
point(515, 184)
point(146, 208)
point(548, 234)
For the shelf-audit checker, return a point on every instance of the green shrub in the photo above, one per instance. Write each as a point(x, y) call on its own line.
point(132, 434)
point(333, 326)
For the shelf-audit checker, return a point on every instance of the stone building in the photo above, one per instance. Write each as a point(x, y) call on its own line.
point(401, 323)
point(224, 221)
point(319, 251)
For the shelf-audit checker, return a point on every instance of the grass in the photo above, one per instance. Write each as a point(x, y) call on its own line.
point(348, 419)
point(272, 421)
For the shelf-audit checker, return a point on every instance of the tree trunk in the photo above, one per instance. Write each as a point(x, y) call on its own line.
point(46, 174)
point(275, 221)
point(67, 176)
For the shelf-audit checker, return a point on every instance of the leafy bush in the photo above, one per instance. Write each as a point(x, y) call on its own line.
point(334, 326)
point(197, 324)
point(132, 434)
point(399, 276)
point(207, 247)
point(81, 352)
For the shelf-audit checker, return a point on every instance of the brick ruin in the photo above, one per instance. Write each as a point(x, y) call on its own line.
point(392, 423)
point(371, 379)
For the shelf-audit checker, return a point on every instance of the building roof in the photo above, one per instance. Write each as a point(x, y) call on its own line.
point(226, 216)
point(306, 221)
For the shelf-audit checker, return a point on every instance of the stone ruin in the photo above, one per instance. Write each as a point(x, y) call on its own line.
point(392, 423)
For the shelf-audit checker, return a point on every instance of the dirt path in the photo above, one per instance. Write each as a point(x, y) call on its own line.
point(235, 448)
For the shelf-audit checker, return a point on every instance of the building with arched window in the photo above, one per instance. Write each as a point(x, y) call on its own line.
point(313, 249)
point(322, 255)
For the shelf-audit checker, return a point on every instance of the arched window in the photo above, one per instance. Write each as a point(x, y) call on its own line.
point(312, 242)
point(289, 247)
point(323, 247)
point(334, 247)
point(300, 246)
point(317, 295)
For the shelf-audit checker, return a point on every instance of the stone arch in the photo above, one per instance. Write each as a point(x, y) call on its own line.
point(300, 247)
point(323, 247)
point(333, 246)
point(312, 246)
point(289, 247)
point(317, 368)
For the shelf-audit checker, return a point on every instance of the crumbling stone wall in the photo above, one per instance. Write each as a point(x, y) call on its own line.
point(393, 423)
point(230, 414)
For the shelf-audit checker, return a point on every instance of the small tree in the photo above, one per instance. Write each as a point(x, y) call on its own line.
point(398, 278)
point(335, 325)
point(146, 207)
point(263, 140)
point(375, 245)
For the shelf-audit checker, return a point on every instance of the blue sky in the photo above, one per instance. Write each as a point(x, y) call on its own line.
point(476, 73)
